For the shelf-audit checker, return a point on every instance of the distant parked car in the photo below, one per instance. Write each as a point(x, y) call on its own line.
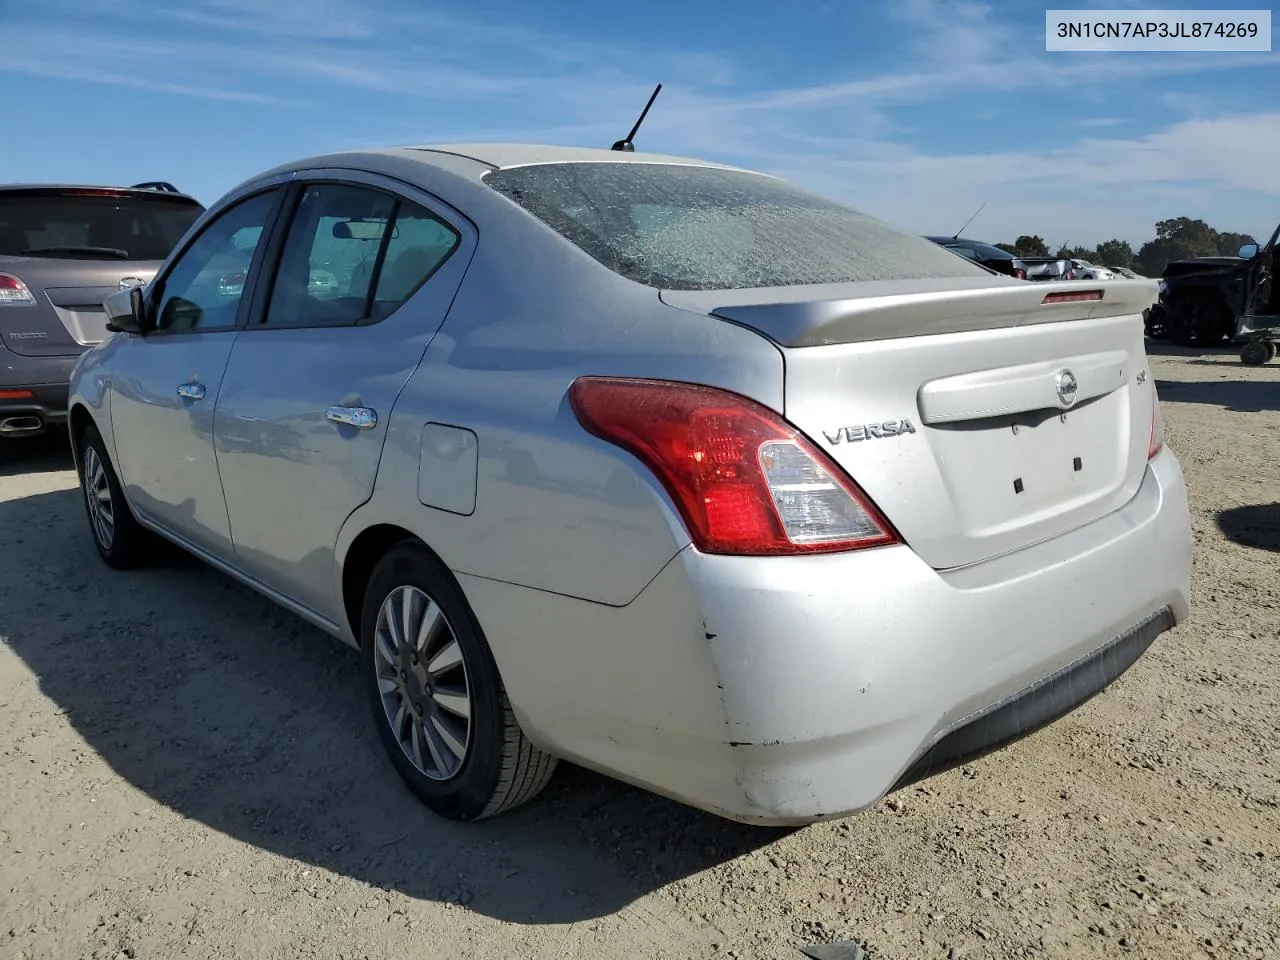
point(62, 250)
point(989, 255)
point(665, 467)
point(1083, 270)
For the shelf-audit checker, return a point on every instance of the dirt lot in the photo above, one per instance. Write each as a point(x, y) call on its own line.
point(186, 771)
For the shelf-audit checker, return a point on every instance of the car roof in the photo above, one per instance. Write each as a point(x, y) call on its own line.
point(502, 155)
point(474, 160)
point(114, 188)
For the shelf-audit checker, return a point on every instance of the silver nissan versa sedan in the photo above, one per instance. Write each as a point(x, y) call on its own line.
point(663, 467)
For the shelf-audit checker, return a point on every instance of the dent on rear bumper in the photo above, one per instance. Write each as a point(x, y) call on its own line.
point(784, 691)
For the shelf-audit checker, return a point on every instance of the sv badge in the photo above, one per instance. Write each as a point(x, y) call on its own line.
point(869, 431)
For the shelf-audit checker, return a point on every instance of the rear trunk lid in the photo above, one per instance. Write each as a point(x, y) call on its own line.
point(67, 316)
point(980, 418)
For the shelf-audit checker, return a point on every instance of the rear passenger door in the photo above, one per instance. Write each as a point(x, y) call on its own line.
point(362, 278)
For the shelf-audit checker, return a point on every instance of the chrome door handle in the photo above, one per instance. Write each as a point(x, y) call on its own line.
point(362, 418)
point(191, 391)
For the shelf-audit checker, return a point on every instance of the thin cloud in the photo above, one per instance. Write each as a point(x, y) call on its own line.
point(59, 71)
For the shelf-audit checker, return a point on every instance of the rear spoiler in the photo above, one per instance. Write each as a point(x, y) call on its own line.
point(877, 311)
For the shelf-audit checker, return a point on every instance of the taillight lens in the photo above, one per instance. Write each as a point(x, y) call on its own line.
point(1155, 442)
point(745, 481)
point(14, 293)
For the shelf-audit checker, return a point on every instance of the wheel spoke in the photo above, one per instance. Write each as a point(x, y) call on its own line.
point(437, 749)
point(459, 704)
point(431, 619)
point(457, 747)
point(387, 685)
point(416, 735)
point(393, 624)
point(408, 624)
point(397, 725)
point(448, 657)
point(386, 646)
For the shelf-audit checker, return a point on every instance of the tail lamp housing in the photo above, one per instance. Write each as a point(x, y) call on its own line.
point(745, 481)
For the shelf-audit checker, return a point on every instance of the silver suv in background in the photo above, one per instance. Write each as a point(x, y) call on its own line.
point(63, 249)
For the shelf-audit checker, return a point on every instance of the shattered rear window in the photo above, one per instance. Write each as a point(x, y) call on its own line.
point(681, 227)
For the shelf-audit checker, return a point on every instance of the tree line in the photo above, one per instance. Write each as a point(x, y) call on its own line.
point(1176, 239)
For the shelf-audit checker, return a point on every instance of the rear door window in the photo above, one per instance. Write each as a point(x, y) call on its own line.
point(353, 255)
point(93, 224)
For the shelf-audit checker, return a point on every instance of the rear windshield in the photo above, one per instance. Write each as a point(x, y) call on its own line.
point(92, 225)
point(700, 228)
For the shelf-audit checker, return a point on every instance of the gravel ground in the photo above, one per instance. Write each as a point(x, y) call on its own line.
point(187, 771)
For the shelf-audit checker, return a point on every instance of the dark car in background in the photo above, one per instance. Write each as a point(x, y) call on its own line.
point(63, 249)
point(987, 254)
point(1202, 297)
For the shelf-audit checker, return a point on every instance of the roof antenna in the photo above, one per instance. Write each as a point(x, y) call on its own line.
point(626, 145)
point(967, 222)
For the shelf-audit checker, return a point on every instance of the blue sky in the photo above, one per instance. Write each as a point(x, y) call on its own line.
point(916, 110)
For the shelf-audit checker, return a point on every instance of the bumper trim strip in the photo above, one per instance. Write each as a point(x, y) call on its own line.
point(1021, 714)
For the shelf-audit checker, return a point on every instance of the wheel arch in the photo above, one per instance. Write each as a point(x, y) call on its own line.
point(367, 548)
point(79, 419)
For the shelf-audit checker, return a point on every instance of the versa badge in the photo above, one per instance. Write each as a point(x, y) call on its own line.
point(869, 431)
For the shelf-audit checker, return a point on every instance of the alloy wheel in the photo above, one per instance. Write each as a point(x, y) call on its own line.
point(423, 682)
point(97, 493)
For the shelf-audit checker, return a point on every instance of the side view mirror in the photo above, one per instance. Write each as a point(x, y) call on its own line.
point(127, 311)
point(1248, 251)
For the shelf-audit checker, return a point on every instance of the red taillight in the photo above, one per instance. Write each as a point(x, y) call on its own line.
point(14, 293)
point(745, 481)
point(1073, 297)
point(16, 394)
point(1155, 441)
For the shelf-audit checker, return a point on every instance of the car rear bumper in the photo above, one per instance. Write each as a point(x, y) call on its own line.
point(31, 409)
point(787, 690)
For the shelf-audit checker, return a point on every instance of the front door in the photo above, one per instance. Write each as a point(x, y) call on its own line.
point(364, 279)
point(1262, 298)
point(165, 383)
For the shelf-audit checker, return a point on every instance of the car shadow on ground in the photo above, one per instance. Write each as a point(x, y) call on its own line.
point(1163, 348)
point(1256, 525)
point(46, 453)
point(1239, 396)
point(223, 707)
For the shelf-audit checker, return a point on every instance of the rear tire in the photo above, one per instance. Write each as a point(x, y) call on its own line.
point(1256, 353)
point(121, 541)
point(1198, 320)
point(1153, 322)
point(437, 699)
